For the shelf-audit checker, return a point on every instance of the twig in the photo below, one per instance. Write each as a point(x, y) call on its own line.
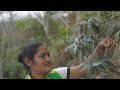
point(106, 51)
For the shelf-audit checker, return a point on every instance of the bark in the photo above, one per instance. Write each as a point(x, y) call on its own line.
point(2, 48)
point(45, 25)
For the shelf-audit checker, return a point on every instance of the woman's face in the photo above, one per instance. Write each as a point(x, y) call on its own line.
point(42, 62)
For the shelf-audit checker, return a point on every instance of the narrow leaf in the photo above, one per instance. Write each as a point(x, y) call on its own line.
point(85, 66)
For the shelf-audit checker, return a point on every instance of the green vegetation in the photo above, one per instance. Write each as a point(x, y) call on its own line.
point(70, 39)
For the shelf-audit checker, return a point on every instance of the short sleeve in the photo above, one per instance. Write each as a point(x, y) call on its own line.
point(64, 71)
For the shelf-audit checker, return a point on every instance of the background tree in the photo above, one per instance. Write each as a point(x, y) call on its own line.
point(71, 36)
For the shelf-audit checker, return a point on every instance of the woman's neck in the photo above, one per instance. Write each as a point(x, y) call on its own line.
point(35, 75)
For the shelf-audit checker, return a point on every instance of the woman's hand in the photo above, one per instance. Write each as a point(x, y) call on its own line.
point(105, 44)
point(76, 73)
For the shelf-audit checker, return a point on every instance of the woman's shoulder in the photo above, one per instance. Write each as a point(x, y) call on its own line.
point(60, 70)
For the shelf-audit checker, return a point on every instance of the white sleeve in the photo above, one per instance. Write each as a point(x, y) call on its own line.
point(62, 71)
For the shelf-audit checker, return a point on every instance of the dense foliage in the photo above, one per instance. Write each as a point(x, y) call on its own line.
point(71, 36)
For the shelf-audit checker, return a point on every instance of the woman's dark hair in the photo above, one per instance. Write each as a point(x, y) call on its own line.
point(28, 52)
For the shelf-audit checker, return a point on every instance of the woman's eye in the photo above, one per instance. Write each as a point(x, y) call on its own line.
point(48, 55)
point(42, 56)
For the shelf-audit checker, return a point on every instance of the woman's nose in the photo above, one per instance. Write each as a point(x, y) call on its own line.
point(48, 58)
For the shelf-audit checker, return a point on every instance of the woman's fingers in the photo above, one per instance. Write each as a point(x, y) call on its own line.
point(113, 46)
point(108, 43)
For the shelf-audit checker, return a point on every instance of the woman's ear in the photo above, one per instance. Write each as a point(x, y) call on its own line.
point(28, 62)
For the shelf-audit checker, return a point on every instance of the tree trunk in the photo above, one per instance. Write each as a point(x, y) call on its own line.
point(49, 37)
point(2, 49)
point(45, 25)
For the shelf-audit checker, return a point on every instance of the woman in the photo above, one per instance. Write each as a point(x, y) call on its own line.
point(36, 59)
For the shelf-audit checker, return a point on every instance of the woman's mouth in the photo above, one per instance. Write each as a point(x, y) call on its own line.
point(49, 65)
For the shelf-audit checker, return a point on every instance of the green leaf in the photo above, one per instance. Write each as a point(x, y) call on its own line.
point(114, 71)
point(97, 63)
point(115, 30)
point(95, 29)
point(85, 66)
point(69, 63)
point(93, 55)
point(85, 44)
point(89, 75)
point(101, 68)
point(92, 21)
point(103, 75)
point(89, 39)
point(70, 46)
point(75, 50)
point(110, 64)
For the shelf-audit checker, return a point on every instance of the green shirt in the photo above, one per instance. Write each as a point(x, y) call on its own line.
point(51, 75)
